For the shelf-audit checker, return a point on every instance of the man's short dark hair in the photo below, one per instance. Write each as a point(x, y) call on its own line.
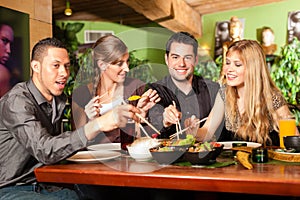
point(182, 37)
point(40, 48)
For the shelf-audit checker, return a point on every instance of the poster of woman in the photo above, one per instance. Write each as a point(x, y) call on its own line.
point(14, 48)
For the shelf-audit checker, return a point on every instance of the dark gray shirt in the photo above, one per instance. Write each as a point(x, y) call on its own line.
point(30, 134)
point(199, 101)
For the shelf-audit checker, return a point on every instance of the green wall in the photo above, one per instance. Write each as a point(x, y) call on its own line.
point(147, 42)
point(273, 15)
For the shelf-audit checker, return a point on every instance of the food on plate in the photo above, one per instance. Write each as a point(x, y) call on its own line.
point(243, 158)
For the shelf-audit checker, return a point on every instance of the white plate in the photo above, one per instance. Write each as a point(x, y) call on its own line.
point(228, 145)
point(106, 146)
point(93, 156)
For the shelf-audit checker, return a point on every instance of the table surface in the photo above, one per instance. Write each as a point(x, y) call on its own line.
point(269, 179)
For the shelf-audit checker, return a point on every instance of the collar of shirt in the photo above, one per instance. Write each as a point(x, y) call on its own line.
point(57, 106)
point(171, 85)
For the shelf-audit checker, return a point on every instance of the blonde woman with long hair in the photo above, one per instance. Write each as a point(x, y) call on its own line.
point(250, 101)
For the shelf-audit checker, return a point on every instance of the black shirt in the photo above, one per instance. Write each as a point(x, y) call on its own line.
point(199, 101)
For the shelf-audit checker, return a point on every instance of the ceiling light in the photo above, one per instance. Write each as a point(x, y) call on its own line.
point(68, 10)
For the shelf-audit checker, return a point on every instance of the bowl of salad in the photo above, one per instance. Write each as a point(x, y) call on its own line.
point(170, 151)
point(203, 153)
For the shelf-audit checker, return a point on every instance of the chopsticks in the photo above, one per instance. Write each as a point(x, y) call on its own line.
point(180, 132)
point(103, 94)
point(146, 121)
point(178, 126)
point(144, 131)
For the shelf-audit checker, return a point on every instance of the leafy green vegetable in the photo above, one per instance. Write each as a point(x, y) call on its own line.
point(189, 140)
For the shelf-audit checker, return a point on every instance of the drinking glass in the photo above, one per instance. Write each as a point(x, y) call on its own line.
point(287, 127)
point(127, 134)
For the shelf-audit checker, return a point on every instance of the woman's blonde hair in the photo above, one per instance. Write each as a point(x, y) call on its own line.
point(259, 116)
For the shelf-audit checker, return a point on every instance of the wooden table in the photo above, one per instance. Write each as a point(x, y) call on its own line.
point(267, 179)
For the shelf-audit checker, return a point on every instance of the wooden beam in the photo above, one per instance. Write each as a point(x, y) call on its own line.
point(152, 9)
point(213, 6)
point(175, 15)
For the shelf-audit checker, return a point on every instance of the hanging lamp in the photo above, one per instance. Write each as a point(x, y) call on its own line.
point(68, 10)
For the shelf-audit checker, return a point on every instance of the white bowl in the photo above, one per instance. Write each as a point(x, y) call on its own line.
point(139, 154)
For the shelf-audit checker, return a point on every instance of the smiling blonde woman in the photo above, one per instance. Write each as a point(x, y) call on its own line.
point(250, 101)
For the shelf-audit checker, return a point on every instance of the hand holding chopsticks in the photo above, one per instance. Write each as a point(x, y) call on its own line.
point(178, 126)
point(184, 130)
point(145, 120)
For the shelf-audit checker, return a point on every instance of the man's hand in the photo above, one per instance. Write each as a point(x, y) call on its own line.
point(171, 116)
point(118, 117)
point(193, 125)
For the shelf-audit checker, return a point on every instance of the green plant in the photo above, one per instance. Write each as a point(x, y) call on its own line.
point(140, 69)
point(67, 34)
point(285, 72)
point(134, 61)
point(208, 68)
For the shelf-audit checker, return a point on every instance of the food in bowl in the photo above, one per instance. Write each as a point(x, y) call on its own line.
point(187, 142)
point(203, 153)
point(171, 151)
point(292, 142)
point(167, 155)
point(143, 144)
point(139, 149)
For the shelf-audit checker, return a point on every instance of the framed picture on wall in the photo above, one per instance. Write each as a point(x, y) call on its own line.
point(221, 36)
point(293, 25)
point(226, 31)
point(14, 45)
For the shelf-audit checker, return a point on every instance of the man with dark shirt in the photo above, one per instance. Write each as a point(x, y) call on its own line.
point(182, 93)
point(30, 133)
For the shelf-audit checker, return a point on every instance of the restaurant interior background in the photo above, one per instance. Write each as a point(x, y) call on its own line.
point(147, 40)
point(273, 15)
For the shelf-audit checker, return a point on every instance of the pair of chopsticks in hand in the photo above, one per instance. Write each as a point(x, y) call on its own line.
point(146, 121)
point(183, 130)
point(178, 126)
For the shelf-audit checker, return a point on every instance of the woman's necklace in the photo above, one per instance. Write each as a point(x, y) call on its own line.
point(107, 96)
point(240, 105)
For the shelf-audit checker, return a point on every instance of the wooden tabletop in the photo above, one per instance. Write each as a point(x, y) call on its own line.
point(269, 179)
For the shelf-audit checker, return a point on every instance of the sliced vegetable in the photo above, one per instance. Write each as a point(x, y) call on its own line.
point(134, 98)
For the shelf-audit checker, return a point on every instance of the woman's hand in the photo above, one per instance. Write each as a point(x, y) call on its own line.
point(147, 101)
point(92, 109)
point(193, 125)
